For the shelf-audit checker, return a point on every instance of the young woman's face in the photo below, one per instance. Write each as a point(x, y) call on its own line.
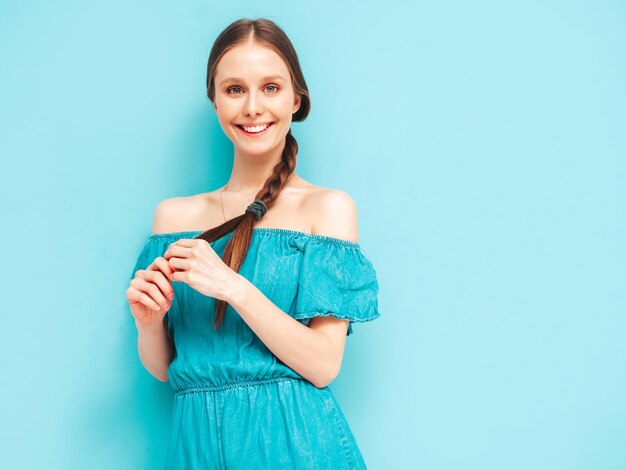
point(253, 88)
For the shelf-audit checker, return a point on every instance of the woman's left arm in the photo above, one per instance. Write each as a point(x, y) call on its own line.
point(314, 351)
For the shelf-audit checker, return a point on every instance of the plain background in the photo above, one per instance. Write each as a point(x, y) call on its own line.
point(484, 144)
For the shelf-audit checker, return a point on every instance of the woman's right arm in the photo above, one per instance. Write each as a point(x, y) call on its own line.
point(155, 348)
point(150, 296)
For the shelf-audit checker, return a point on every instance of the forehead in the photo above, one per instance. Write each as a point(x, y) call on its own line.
point(250, 61)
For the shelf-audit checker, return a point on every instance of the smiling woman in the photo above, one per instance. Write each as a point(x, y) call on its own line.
point(248, 320)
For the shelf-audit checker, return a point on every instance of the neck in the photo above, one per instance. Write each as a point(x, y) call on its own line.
point(251, 171)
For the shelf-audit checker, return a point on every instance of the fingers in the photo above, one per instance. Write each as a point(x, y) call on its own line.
point(147, 286)
point(155, 272)
point(181, 264)
point(133, 294)
point(176, 250)
point(162, 265)
point(152, 282)
point(177, 256)
point(188, 249)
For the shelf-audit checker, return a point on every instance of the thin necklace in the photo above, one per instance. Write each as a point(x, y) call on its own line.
point(222, 201)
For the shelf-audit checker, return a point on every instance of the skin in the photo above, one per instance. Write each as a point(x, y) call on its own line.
point(314, 351)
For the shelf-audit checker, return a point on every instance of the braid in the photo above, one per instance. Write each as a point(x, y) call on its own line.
point(237, 246)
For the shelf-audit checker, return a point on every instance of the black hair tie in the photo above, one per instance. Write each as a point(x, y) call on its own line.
point(258, 208)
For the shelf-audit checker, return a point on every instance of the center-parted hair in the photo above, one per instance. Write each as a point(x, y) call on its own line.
point(264, 32)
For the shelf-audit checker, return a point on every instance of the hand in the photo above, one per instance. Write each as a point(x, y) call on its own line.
point(195, 263)
point(150, 293)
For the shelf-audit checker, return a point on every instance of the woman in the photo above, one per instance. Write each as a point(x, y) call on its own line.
point(248, 320)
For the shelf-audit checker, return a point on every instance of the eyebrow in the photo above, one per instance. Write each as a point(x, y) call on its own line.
point(264, 79)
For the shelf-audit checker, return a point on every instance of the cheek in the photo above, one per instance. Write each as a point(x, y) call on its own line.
point(224, 106)
point(226, 115)
point(283, 108)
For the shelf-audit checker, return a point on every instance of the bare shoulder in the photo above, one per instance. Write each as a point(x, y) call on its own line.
point(334, 213)
point(179, 214)
point(301, 206)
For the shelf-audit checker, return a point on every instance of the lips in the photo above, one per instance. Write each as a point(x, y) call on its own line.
point(240, 127)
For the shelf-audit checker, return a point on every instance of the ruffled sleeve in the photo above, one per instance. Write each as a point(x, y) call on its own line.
point(336, 278)
point(153, 248)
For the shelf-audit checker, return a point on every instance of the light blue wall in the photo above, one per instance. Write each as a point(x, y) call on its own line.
point(484, 143)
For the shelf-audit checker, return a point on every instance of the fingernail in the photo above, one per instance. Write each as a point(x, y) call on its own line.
point(156, 307)
point(171, 296)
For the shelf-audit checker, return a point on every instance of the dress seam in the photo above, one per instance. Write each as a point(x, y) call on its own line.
point(266, 231)
point(345, 444)
point(218, 426)
point(232, 385)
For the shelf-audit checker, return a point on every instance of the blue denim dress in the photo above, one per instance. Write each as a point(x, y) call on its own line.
point(238, 406)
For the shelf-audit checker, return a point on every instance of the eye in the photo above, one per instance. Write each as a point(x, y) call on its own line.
point(272, 86)
point(233, 88)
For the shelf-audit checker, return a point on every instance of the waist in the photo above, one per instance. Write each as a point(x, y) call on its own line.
point(232, 385)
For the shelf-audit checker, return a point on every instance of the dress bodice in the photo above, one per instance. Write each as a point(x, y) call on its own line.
point(305, 275)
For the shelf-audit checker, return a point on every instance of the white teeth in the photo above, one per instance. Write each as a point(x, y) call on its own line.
point(256, 128)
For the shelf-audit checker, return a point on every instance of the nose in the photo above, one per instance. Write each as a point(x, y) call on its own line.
point(253, 105)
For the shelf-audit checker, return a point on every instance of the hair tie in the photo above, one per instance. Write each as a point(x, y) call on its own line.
point(258, 208)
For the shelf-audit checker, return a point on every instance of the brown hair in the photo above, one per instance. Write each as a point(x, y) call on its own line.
point(267, 33)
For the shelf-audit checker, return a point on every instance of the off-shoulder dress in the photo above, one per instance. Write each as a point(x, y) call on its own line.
point(236, 405)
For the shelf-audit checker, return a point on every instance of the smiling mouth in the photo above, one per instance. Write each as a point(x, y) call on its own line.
point(255, 130)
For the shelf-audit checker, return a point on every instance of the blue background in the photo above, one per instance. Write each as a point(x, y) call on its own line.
point(484, 143)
